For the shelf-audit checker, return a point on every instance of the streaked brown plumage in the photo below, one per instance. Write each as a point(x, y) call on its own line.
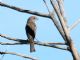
point(31, 31)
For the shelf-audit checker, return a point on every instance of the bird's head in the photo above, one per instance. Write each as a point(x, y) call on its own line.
point(33, 18)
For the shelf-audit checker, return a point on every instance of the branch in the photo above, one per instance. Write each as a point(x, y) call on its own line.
point(66, 33)
point(61, 6)
point(50, 13)
point(18, 43)
point(18, 54)
point(5, 36)
point(21, 41)
point(74, 24)
point(47, 7)
point(55, 21)
point(24, 11)
point(50, 45)
point(61, 10)
point(6, 43)
point(38, 43)
point(61, 19)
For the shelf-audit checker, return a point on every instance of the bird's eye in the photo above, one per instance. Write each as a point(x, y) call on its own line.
point(34, 18)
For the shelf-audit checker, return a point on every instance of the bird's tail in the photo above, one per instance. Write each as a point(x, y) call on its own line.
point(32, 48)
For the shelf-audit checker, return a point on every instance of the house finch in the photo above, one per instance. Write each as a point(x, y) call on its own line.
point(31, 31)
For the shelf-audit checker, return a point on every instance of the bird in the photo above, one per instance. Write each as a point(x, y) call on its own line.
point(30, 29)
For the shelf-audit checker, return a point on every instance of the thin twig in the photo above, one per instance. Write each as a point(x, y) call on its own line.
point(18, 54)
point(5, 36)
point(50, 13)
point(9, 43)
point(74, 24)
point(46, 6)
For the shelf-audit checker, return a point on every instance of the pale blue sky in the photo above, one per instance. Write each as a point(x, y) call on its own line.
point(13, 23)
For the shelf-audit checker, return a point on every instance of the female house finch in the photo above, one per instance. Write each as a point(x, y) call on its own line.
point(30, 31)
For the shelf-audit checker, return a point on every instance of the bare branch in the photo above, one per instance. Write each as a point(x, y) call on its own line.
point(50, 13)
point(65, 30)
point(47, 6)
point(58, 27)
point(5, 36)
point(21, 41)
point(74, 24)
point(61, 10)
point(66, 33)
point(8, 43)
point(55, 20)
point(18, 54)
point(61, 7)
point(24, 11)
point(50, 45)
point(38, 43)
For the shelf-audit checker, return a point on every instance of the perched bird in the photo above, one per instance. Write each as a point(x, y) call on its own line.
point(31, 31)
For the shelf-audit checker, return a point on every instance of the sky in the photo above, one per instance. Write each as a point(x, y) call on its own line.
point(12, 23)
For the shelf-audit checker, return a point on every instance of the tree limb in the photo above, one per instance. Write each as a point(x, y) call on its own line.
point(18, 54)
point(38, 43)
point(9, 43)
point(64, 28)
point(66, 33)
point(55, 21)
point(61, 7)
point(61, 10)
point(5, 36)
point(22, 41)
point(24, 11)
